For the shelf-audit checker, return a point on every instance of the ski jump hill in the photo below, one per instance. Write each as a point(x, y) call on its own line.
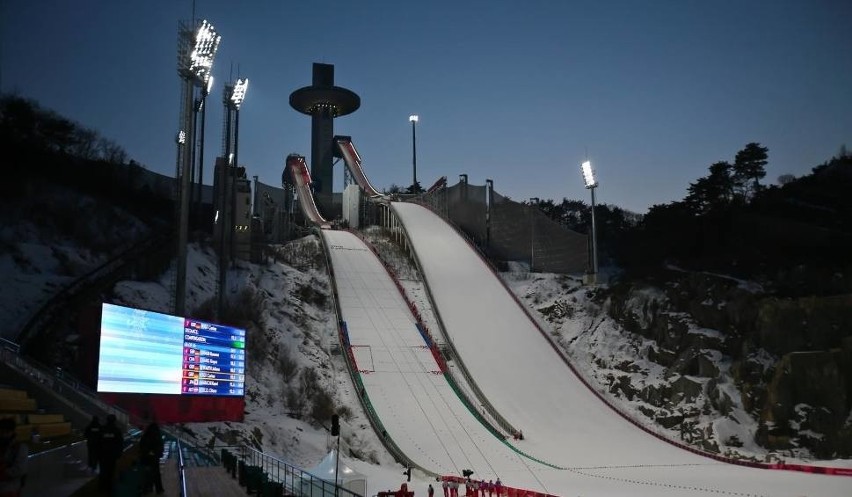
point(574, 442)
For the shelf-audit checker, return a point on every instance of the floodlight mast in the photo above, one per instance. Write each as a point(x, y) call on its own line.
point(233, 97)
point(591, 184)
point(414, 118)
point(202, 105)
point(239, 92)
point(197, 46)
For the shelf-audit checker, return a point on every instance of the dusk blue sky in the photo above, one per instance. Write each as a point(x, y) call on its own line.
point(517, 91)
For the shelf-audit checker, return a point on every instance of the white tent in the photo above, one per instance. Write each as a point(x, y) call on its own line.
point(349, 478)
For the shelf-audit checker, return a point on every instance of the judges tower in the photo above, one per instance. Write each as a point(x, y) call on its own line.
point(323, 102)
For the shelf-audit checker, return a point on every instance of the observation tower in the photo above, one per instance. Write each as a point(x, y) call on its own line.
point(323, 102)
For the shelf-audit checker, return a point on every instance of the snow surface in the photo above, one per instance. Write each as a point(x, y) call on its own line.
point(402, 378)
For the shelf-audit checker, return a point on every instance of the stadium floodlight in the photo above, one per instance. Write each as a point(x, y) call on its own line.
point(589, 175)
point(197, 51)
point(238, 93)
point(413, 118)
point(181, 137)
point(591, 185)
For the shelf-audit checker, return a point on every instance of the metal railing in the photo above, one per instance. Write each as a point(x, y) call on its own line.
point(295, 480)
point(61, 386)
point(181, 469)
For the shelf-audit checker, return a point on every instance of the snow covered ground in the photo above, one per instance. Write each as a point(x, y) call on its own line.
point(563, 424)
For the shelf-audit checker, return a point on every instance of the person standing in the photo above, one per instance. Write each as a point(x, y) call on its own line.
point(13, 465)
point(151, 450)
point(430, 491)
point(111, 447)
point(498, 487)
point(446, 487)
point(454, 488)
point(403, 490)
point(93, 442)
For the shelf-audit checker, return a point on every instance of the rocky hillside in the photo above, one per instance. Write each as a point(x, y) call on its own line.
point(790, 359)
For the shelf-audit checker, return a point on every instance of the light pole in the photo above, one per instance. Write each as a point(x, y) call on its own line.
point(233, 96)
point(237, 95)
point(205, 91)
point(533, 203)
point(591, 184)
point(197, 46)
point(414, 118)
point(489, 203)
point(335, 432)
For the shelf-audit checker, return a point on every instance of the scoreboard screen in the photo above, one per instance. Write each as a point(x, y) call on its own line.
point(148, 352)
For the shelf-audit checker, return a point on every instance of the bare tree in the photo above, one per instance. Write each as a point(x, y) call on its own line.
point(785, 179)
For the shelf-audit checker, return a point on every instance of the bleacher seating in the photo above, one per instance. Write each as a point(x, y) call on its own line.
point(16, 404)
point(15, 401)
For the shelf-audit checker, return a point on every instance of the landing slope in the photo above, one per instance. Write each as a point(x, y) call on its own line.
point(563, 422)
point(419, 410)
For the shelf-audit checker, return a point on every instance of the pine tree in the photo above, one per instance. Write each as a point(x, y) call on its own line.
point(712, 191)
point(749, 168)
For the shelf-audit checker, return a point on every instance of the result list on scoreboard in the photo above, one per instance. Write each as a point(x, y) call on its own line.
point(214, 359)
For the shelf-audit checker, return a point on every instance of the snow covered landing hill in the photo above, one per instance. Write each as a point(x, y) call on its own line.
point(674, 376)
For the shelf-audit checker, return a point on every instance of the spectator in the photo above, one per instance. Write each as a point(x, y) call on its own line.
point(430, 491)
point(35, 435)
point(490, 488)
point(403, 490)
point(13, 465)
point(446, 487)
point(498, 487)
point(112, 445)
point(151, 450)
point(93, 442)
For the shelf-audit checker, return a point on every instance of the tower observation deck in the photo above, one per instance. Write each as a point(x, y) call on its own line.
point(323, 102)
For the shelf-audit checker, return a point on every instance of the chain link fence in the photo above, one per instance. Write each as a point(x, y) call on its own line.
point(509, 231)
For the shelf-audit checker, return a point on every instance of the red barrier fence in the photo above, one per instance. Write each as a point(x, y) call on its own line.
point(501, 491)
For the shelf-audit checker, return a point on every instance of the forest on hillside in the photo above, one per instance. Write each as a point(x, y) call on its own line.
point(794, 237)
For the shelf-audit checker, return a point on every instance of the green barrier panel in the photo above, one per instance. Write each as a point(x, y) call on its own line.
point(255, 477)
point(241, 473)
point(130, 482)
point(272, 489)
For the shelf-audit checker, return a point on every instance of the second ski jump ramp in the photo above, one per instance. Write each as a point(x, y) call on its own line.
point(515, 366)
point(563, 422)
point(353, 162)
